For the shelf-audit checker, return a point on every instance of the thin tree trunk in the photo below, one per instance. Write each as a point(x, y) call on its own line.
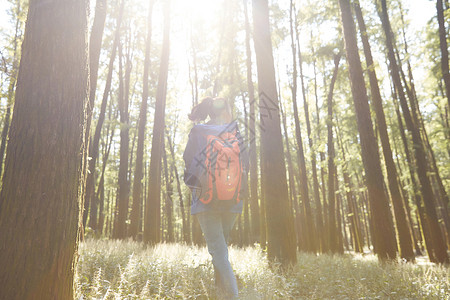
point(384, 235)
point(444, 49)
point(101, 186)
point(152, 218)
point(332, 225)
point(185, 223)
point(93, 148)
point(136, 210)
point(419, 151)
point(120, 231)
point(403, 230)
point(246, 231)
point(319, 218)
point(292, 189)
point(254, 205)
point(169, 202)
point(39, 200)
point(310, 233)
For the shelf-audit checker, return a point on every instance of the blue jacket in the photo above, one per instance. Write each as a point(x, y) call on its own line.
point(194, 155)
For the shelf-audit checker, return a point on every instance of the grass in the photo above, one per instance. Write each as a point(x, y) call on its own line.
point(109, 269)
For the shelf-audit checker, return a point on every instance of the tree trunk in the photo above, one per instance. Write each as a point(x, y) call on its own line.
point(280, 223)
point(138, 172)
point(444, 49)
point(169, 196)
point(120, 231)
point(152, 218)
point(309, 234)
point(332, 225)
point(419, 151)
point(319, 218)
point(292, 189)
point(93, 147)
point(254, 205)
point(39, 201)
point(101, 186)
point(384, 235)
point(403, 230)
point(185, 224)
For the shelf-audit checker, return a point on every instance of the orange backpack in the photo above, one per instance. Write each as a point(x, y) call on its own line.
point(223, 168)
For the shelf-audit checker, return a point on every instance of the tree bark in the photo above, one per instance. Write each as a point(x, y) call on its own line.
point(40, 201)
point(444, 49)
point(93, 147)
point(439, 247)
point(403, 230)
point(254, 205)
point(332, 229)
point(152, 218)
point(280, 223)
point(135, 215)
point(309, 233)
point(384, 236)
point(120, 231)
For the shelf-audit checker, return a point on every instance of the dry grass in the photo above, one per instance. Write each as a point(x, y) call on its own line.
point(130, 270)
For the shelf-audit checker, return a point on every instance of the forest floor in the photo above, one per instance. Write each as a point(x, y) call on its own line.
point(109, 269)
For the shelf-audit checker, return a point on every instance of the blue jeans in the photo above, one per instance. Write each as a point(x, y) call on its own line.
point(216, 227)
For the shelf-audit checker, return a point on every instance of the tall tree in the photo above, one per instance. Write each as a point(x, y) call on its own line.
point(318, 209)
point(384, 236)
point(139, 167)
point(280, 224)
point(403, 230)
point(39, 200)
point(152, 218)
point(254, 205)
point(94, 145)
point(120, 231)
point(332, 224)
point(439, 248)
point(309, 227)
point(444, 49)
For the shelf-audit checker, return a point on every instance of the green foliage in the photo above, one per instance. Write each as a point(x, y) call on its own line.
point(129, 270)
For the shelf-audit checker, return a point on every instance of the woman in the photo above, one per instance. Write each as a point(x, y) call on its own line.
point(215, 172)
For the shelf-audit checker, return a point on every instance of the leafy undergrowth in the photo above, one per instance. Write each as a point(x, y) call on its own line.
point(130, 270)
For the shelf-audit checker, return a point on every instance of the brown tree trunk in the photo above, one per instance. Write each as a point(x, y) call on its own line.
point(332, 225)
point(39, 201)
point(309, 233)
point(384, 235)
point(185, 223)
point(291, 174)
point(254, 205)
point(152, 218)
point(101, 186)
point(353, 215)
point(319, 219)
point(136, 209)
point(403, 230)
point(444, 49)
point(120, 231)
point(93, 147)
point(169, 196)
point(280, 223)
point(439, 247)
point(246, 229)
